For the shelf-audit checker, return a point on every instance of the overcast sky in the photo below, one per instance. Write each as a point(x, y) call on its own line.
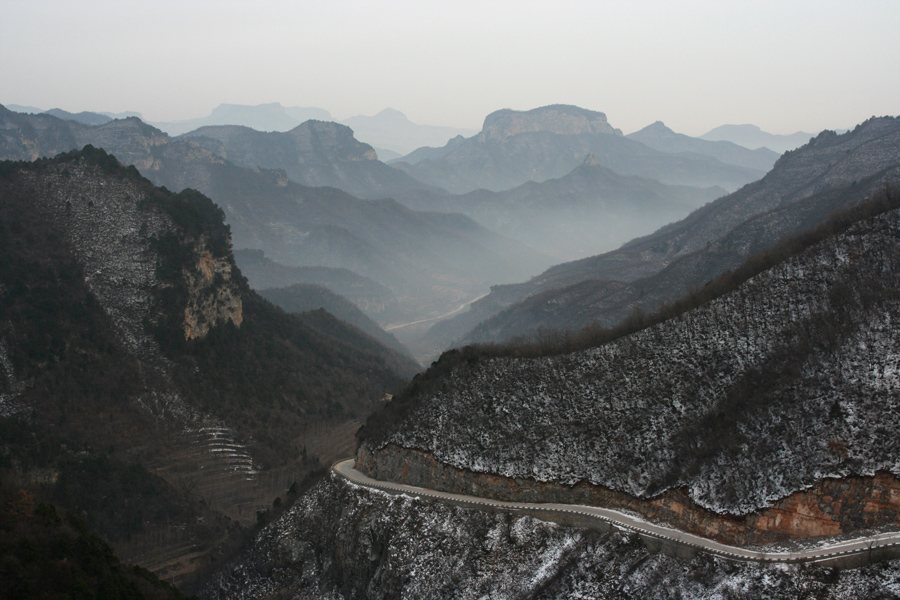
point(783, 65)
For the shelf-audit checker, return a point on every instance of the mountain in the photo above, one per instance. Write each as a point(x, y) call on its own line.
point(429, 152)
point(431, 262)
point(391, 129)
point(263, 273)
point(544, 143)
point(85, 118)
point(262, 117)
point(660, 137)
point(143, 385)
point(316, 153)
point(24, 109)
point(590, 210)
point(751, 136)
point(765, 416)
point(806, 185)
point(303, 297)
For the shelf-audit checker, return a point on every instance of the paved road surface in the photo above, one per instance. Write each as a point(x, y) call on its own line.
point(820, 553)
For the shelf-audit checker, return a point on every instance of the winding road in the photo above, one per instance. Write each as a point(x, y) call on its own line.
point(874, 547)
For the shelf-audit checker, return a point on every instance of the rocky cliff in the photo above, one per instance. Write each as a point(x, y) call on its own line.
point(560, 119)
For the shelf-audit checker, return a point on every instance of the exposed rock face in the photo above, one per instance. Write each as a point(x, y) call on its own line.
point(213, 296)
point(345, 542)
point(830, 507)
point(560, 119)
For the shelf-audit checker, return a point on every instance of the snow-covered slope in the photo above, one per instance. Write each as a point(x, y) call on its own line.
point(792, 377)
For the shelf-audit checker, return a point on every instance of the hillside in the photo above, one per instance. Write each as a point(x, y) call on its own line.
point(767, 413)
point(514, 147)
point(143, 385)
point(804, 187)
point(304, 297)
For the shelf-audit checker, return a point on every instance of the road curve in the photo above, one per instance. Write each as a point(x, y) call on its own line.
point(827, 552)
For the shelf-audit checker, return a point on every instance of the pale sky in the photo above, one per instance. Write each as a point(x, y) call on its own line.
point(783, 65)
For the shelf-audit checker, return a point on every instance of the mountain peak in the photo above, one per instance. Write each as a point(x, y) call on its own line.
point(561, 119)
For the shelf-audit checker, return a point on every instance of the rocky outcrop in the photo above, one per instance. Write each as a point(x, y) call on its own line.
point(213, 296)
point(830, 507)
point(561, 119)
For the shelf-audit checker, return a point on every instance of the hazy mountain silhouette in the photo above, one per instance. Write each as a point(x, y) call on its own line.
point(660, 137)
point(751, 136)
point(303, 297)
point(432, 262)
point(262, 117)
point(590, 210)
point(314, 153)
point(806, 185)
point(391, 129)
point(514, 147)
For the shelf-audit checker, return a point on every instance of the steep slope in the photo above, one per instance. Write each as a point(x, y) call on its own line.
point(303, 297)
point(590, 210)
point(806, 185)
point(315, 153)
point(785, 382)
point(142, 384)
point(660, 137)
point(514, 147)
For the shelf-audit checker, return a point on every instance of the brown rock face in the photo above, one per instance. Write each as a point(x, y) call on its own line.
point(214, 297)
point(831, 507)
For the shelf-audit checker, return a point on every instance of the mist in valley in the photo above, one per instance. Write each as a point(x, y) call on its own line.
point(239, 243)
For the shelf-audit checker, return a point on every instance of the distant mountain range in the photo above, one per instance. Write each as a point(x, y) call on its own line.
point(751, 136)
point(391, 129)
point(660, 137)
point(314, 153)
point(590, 210)
point(548, 142)
point(830, 172)
point(431, 262)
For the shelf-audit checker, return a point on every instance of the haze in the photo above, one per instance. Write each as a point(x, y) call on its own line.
point(695, 65)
